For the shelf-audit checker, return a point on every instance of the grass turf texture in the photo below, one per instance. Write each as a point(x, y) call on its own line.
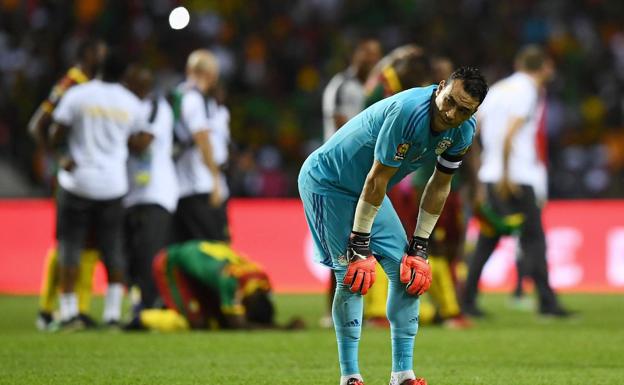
point(510, 348)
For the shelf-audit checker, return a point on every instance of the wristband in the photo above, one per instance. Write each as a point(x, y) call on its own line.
point(364, 217)
point(425, 224)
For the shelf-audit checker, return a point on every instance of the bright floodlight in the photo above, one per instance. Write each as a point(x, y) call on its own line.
point(179, 18)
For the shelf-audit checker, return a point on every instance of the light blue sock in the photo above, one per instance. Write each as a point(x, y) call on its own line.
point(402, 310)
point(347, 316)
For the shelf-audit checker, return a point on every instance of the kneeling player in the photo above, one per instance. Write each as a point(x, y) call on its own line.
point(208, 285)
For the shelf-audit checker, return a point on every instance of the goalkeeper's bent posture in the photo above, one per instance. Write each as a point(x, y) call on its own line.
point(343, 188)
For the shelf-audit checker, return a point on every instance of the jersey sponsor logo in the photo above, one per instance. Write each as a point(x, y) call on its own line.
point(443, 145)
point(402, 150)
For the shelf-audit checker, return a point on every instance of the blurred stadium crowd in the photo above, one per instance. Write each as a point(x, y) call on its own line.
point(277, 56)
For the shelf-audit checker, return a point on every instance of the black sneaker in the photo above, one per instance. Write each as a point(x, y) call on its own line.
point(71, 325)
point(88, 321)
point(44, 320)
point(112, 325)
point(558, 312)
point(134, 325)
point(473, 311)
point(355, 381)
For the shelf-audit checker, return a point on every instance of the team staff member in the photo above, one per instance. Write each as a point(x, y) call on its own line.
point(510, 169)
point(92, 124)
point(153, 194)
point(90, 54)
point(197, 167)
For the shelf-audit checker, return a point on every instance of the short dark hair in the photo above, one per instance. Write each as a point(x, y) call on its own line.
point(474, 83)
point(530, 58)
point(86, 46)
point(258, 308)
point(114, 66)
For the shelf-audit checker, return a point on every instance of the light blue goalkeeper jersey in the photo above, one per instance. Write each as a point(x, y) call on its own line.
point(395, 131)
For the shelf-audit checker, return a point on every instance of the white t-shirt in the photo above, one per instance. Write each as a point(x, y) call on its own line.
point(220, 140)
point(516, 96)
point(343, 95)
point(151, 175)
point(196, 114)
point(101, 116)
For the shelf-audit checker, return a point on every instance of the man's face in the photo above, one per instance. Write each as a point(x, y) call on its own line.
point(453, 105)
point(367, 55)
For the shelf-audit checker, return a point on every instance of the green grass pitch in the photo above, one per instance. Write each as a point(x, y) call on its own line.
point(510, 348)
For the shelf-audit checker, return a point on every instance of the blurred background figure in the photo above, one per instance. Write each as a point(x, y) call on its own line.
point(92, 124)
point(511, 170)
point(153, 188)
point(344, 96)
point(200, 212)
point(207, 285)
point(89, 58)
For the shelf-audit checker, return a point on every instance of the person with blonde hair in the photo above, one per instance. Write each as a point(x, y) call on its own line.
point(201, 152)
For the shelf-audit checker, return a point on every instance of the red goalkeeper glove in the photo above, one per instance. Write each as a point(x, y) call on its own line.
point(360, 274)
point(415, 270)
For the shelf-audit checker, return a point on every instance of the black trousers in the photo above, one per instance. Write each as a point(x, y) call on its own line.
point(147, 230)
point(196, 219)
point(532, 242)
point(77, 217)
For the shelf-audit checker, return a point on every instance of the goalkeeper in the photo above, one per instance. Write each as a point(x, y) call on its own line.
point(343, 187)
point(207, 285)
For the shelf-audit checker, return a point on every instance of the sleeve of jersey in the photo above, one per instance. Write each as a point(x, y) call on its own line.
point(450, 160)
point(64, 112)
point(392, 145)
point(194, 112)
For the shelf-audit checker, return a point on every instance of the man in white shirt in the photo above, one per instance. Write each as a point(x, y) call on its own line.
point(199, 212)
point(92, 124)
point(511, 170)
point(344, 96)
point(153, 193)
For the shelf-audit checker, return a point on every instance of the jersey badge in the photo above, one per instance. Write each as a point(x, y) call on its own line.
point(443, 145)
point(401, 151)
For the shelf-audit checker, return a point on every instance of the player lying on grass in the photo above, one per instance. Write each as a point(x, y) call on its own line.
point(207, 285)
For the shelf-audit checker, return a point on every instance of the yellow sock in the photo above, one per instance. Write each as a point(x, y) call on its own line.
point(375, 299)
point(163, 320)
point(442, 289)
point(84, 284)
point(49, 283)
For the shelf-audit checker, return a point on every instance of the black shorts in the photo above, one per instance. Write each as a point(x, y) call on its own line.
point(195, 218)
point(147, 230)
point(76, 216)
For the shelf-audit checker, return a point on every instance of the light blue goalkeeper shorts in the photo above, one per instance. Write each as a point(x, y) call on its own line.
point(330, 219)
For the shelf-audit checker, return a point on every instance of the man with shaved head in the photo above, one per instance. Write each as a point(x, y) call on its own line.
point(200, 213)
